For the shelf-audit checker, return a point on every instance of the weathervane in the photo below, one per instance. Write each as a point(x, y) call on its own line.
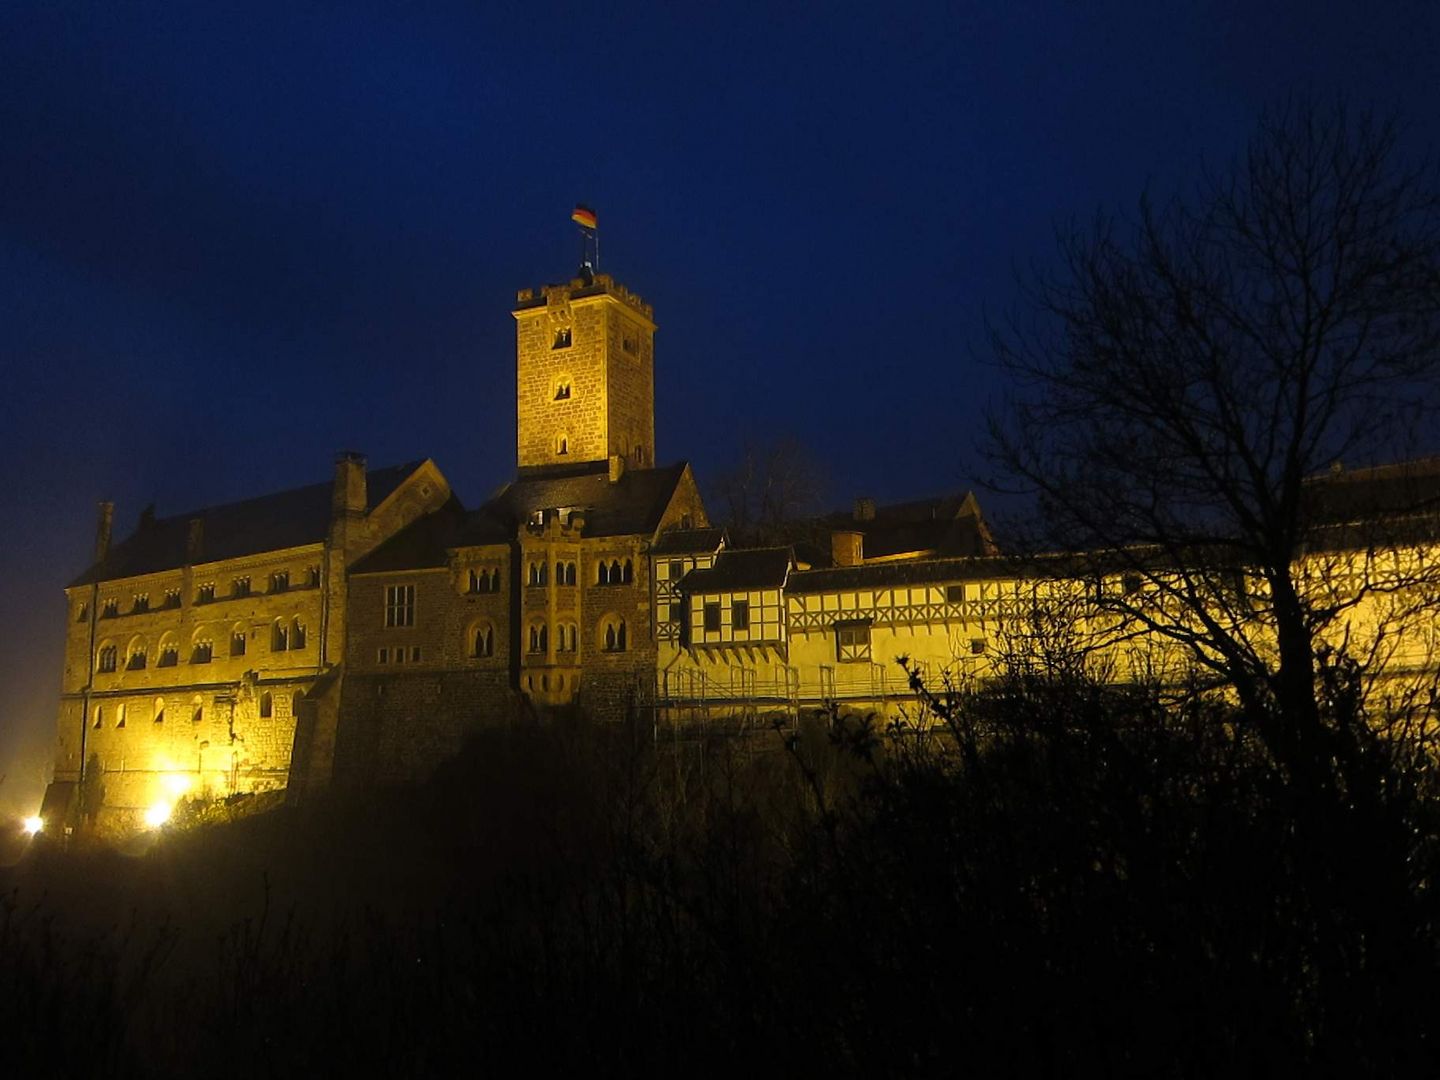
point(584, 217)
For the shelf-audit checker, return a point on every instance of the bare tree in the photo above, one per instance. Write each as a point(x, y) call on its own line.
point(1186, 385)
point(771, 492)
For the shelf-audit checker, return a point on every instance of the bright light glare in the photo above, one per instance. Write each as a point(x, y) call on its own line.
point(157, 815)
point(177, 785)
point(33, 824)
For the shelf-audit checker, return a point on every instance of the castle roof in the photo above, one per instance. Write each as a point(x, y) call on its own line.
point(750, 568)
point(948, 526)
point(631, 506)
point(284, 519)
point(423, 544)
point(688, 541)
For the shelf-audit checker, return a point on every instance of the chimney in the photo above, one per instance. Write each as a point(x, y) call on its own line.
point(847, 548)
point(102, 530)
point(348, 498)
point(864, 509)
point(617, 468)
point(195, 540)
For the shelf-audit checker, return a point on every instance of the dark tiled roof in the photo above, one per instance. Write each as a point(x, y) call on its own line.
point(948, 527)
point(285, 519)
point(751, 568)
point(422, 544)
point(688, 541)
point(1347, 496)
point(632, 506)
point(916, 572)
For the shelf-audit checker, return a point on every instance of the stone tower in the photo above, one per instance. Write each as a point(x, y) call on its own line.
point(585, 375)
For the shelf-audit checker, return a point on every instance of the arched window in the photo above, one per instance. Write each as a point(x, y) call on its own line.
point(297, 633)
point(602, 574)
point(613, 634)
point(539, 638)
point(169, 651)
point(267, 705)
point(120, 711)
point(562, 390)
point(629, 572)
point(202, 649)
point(279, 636)
point(99, 717)
point(567, 637)
point(562, 445)
point(482, 641)
point(159, 710)
point(537, 573)
point(570, 573)
point(237, 640)
point(475, 580)
point(197, 710)
point(495, 580)
point(135, 655)
point(105, 660)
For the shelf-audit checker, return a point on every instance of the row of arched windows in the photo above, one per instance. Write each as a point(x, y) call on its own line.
point(615, 572)
point(612, 635)
point(285, 635)
point(485, 579)
point(121, 712)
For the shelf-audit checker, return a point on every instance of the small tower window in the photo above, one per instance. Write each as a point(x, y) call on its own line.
point(562, 445)
point(562, 390)
point(562, 339)
point(267, 705)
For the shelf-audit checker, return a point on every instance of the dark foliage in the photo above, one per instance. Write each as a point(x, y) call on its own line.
point(1058, 877)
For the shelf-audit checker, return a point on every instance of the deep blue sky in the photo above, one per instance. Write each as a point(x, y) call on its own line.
point(235, 238)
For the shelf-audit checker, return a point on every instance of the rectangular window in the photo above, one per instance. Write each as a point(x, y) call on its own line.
point(240, 587)
point(203, 652)
point(852, 642)
point(205, 593)
point(82, 613)
point(172, 598)
point(141, 604)
point(675, 613)
point(110, 610)
point(740, 615)
point(954, 594)
point(280, 581)
point(314, 577)
point(712, 618)
point(400, 605)
point(383, 656)
point(415, 654)
point(677, 570)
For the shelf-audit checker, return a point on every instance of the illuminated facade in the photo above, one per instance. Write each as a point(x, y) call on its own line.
point(351, 633)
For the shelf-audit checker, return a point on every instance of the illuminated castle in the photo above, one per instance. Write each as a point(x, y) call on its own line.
point(352, 632)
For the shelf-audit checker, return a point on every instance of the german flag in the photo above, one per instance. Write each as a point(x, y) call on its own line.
point(583, 216)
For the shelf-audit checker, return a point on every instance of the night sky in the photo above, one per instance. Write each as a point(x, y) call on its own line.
point(236, 238)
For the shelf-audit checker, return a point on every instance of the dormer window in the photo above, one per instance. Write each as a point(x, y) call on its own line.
point(562, 339)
